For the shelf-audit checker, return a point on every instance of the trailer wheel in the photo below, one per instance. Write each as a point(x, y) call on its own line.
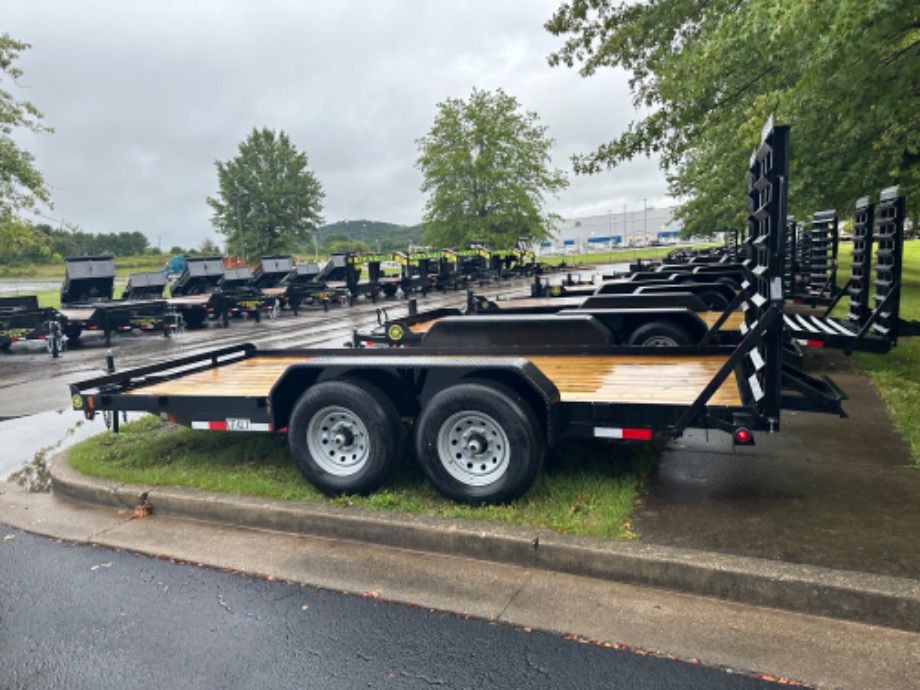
point(194, 319)
point(714, 301)
point(479, 443)
point(73, 333)
point(346, 436)
point(660, 334)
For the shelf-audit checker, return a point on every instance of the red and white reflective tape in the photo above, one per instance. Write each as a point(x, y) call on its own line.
point(627, 434)
point(232, 425)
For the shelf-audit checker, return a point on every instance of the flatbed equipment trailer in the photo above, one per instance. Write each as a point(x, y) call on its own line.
point(662, 320)
point(482, 418)
point(715, 295)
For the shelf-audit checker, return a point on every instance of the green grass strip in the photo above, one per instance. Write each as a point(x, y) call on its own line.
point(588, 488)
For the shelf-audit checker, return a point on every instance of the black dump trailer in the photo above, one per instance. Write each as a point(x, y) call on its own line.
point(196, 293)
point(22, 319)
point(243, 298)
point(269, 279)
point(310, 284)
point(344, 271)
point(482, 417)
point(88, 304)
point(271, 272)
point(150, 285)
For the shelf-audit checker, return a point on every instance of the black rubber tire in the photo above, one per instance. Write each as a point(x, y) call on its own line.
point(660, 334)
point(73, 333)
point(6, 346)
point(194, 319)
point(731, 282)
point(714, 301)
point(389, 290)
point(383, 443)
point(462, 404)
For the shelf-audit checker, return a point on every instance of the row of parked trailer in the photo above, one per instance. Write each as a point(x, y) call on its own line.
point(209, 290)
point(482, 395)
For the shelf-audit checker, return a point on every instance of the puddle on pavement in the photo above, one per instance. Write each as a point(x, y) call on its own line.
point(27, 444)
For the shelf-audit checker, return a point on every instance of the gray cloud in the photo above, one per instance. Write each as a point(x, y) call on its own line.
point(144, 97)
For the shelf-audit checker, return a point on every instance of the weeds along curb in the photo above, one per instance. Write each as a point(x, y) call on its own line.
point(875, 599)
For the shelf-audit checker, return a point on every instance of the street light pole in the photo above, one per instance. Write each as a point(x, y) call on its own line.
point(239, 224)
point(625, 224)
point(645, 217)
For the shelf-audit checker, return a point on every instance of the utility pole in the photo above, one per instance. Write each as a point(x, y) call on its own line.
point(645, 217)
point(625, 226)
point(239, 224)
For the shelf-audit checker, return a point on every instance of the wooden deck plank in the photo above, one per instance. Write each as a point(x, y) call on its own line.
point(579, 378)
point(252, 377)
point(637, 379)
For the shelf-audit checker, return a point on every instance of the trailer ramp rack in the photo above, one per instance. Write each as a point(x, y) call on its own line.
point(864, 330)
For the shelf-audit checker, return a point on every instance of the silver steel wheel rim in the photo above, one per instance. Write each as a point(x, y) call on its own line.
point(660, 341)
point(337, 440)
point(473, 448)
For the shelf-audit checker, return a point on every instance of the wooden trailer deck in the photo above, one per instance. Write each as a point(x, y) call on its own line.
point(658, 379)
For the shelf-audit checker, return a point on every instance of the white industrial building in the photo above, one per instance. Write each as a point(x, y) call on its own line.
point(628, 228)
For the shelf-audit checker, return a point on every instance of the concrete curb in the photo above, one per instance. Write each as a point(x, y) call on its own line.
point(875, 599)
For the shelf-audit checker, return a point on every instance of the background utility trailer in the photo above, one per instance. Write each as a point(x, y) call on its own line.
point(483, 418)
point(715, 295)
point(654, 320)
point(87, 303)
point(22, 319)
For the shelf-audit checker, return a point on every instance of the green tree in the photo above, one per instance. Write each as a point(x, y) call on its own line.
point(278, 199)
point(22, 186)
point(486, 168)
point(20, 243)
point(706, 73)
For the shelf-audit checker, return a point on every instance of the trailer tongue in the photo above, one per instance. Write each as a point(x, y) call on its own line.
point(482, 417)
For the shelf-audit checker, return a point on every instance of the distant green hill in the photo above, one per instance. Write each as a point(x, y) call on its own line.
point(391, 237)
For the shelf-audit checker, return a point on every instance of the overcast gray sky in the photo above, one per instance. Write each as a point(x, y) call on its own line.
point(145, 96)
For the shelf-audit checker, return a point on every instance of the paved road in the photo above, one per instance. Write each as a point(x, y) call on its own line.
point(83, 617)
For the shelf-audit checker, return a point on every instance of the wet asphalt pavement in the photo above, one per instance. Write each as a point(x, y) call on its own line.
point(826, 491)
point(86, 617)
